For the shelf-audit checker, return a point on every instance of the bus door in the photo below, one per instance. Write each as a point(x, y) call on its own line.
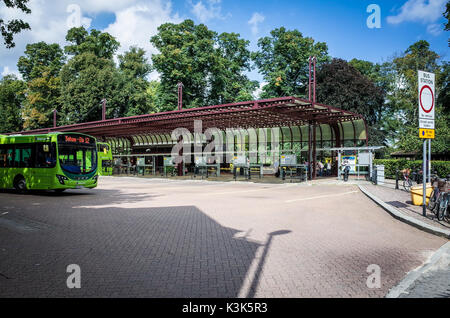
point(45, 160)
point(3, 166)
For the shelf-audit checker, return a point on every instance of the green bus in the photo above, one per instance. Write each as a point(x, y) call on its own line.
point(55, 161)
point(105, 159)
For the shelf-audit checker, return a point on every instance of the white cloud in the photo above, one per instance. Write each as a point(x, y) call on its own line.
point(258, 91)
point(254, 22)
point(208, 11)
point(435, 29)
point(7, 71)
point(136, 21)
point(425, 11)
point(48, 21)
point(135, 25)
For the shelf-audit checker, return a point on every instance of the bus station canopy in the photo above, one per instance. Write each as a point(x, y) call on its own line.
point(269, 113)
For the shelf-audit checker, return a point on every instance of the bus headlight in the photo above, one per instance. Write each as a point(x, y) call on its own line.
point(95, 179)
point(61, 179)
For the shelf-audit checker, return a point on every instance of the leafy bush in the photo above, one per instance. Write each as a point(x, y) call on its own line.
point(391, 165)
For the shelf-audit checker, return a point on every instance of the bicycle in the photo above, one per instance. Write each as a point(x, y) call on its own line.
point(442, 212)
point(434, 193)
point(407, 182)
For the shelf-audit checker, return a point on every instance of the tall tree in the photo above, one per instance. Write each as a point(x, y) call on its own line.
point(231, 59)
point(40, 67)
point(417, 57)
point(89, 76)
point(341, 85)
point(283, 61)
point(134, 68)
point(210, 66)
point(11, 99)
point(9, 28)
point(40, 57)
point(101, 44)
point(404, 96)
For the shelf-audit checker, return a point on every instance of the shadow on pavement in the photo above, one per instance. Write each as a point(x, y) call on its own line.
point(136, 252)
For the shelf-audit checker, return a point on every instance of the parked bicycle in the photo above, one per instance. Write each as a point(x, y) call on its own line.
point(407, 182)
point(434, 193)
point(442, 210)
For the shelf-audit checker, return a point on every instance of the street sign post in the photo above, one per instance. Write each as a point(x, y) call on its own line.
point(427, 101)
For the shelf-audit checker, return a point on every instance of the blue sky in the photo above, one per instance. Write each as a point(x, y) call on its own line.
point(341, 24)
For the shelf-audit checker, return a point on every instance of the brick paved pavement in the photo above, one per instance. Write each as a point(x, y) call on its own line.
point(433, 283)
point(401, 200)
point(160, 238)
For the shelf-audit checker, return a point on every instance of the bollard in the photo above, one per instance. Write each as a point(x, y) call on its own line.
point(396, 180)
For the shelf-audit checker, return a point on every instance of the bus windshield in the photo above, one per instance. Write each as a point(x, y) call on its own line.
point(77, 154)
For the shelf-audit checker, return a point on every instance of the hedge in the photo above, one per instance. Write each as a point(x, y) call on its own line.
point(391, 165)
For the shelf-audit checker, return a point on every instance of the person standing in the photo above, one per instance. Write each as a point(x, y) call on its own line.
point(320, 167)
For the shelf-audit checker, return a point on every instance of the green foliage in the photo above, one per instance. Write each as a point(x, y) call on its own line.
point(417, 57)
point(403, 99)
point(9, 28)
point(443, 83)
point(392, 165)
point(41, 57)
point(133, 68)
point(101, 44)
point(283, 60)
point(42, 97)
point(341, 85)
point(11, 99)
point(40, 67)
point(209, 65)
point(85, 80)
point(91, 75)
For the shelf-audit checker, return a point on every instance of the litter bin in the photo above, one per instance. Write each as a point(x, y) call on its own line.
point(379, 170)
point(417, 194)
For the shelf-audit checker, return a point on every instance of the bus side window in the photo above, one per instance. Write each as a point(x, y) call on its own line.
point(45, 155)
point(10, 157)
point(25, 156)
point(3, 156)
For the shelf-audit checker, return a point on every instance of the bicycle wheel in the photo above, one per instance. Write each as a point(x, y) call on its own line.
point(432, 201)
point(442, 207)
point(446, 210)
point(407, 184)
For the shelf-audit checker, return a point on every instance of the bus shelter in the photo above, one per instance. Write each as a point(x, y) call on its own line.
point(281, 126)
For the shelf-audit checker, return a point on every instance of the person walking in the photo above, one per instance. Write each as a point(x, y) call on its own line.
point(328, 168)
point(320, 167)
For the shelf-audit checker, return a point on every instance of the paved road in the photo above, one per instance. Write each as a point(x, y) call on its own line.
point(434, 283)
point(162, 238)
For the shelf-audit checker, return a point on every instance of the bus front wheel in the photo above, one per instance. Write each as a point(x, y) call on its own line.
point(20, 184)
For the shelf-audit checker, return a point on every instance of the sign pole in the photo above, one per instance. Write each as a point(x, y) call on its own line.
point(424, 179)
point(427, 100)
point(429, 160)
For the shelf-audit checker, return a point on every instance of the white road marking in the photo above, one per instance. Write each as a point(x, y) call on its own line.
point(245, 191)
point(321, 196)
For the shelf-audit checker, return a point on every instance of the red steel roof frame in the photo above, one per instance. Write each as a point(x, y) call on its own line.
point(284, 111)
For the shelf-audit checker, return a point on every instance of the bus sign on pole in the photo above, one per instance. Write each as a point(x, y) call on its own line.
point(427, 100)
